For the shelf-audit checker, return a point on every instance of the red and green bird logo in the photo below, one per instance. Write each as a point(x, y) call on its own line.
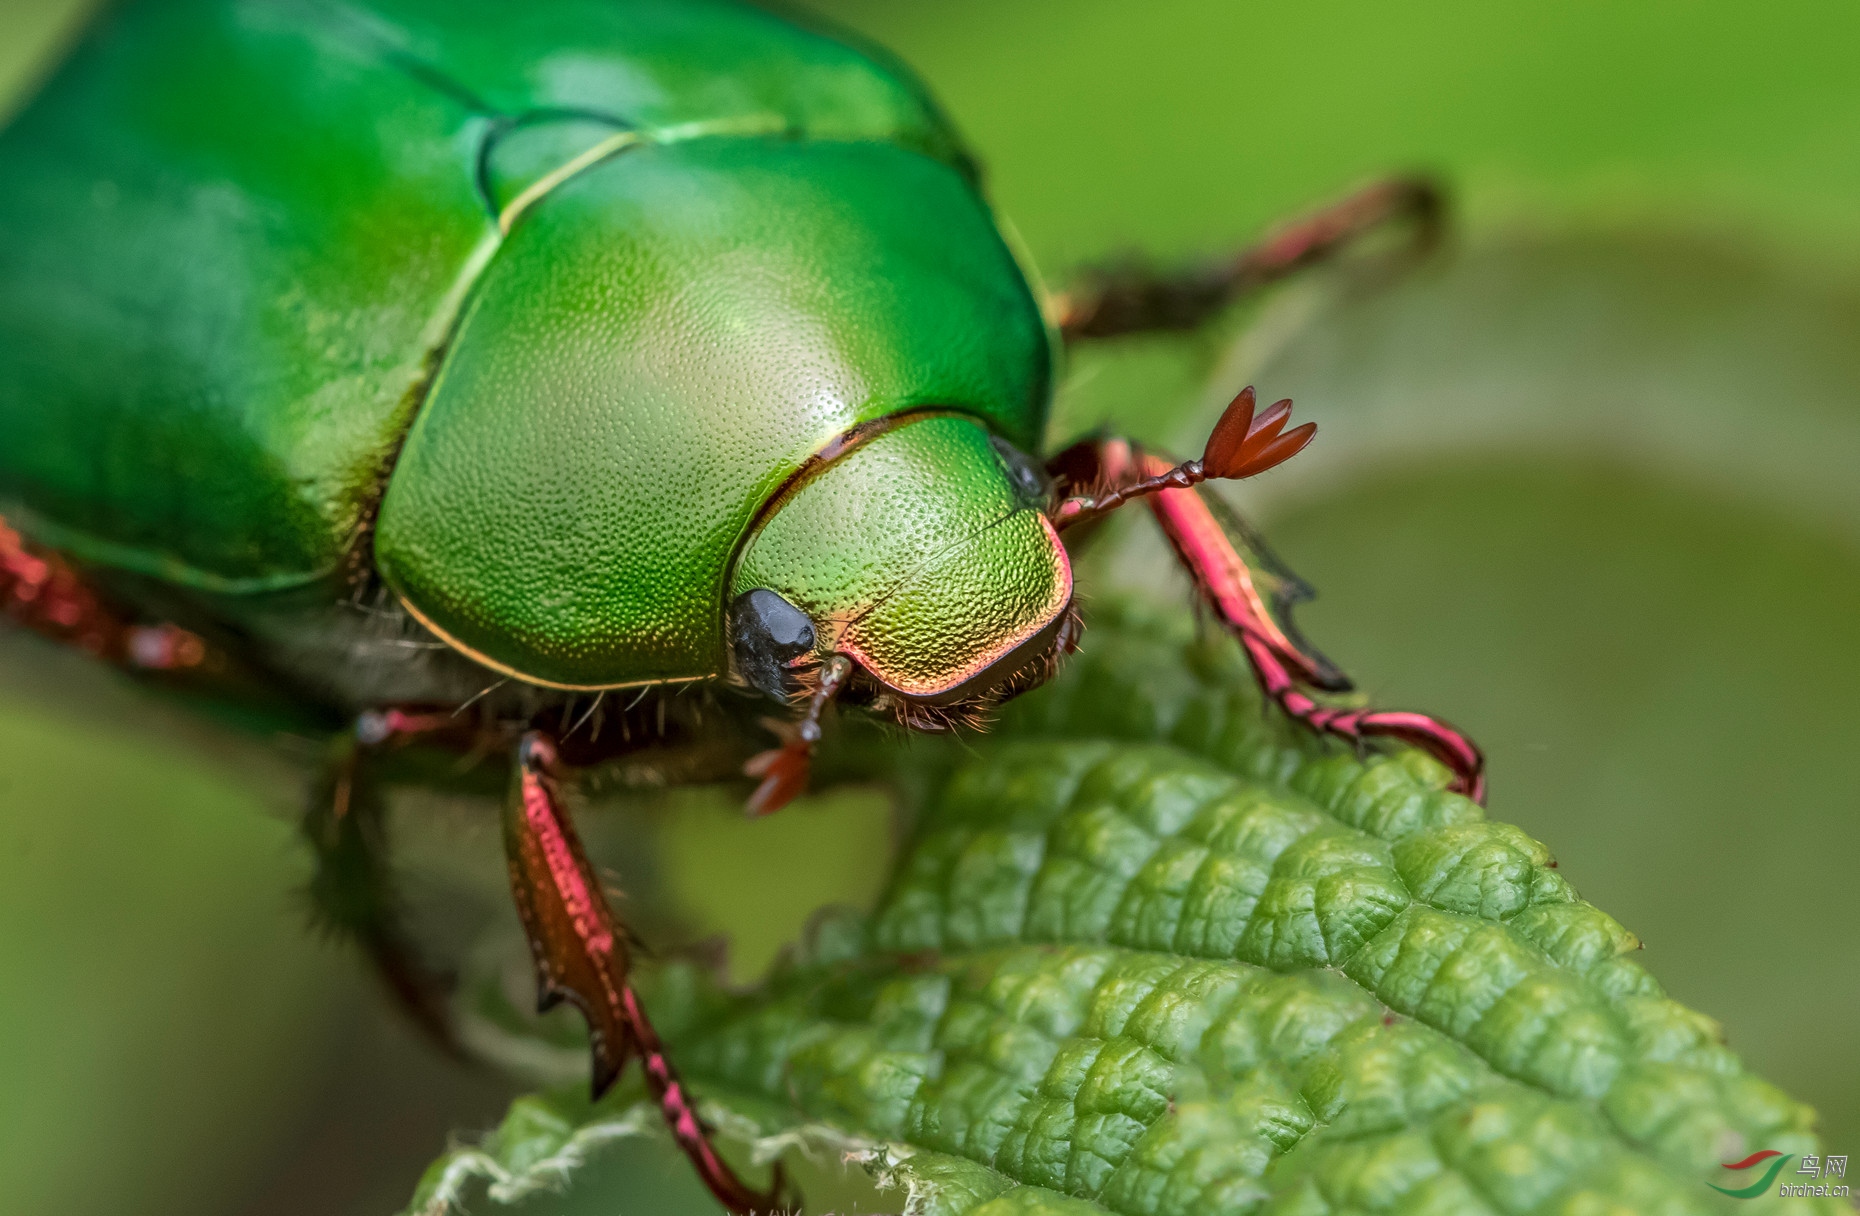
point(1760, 1185)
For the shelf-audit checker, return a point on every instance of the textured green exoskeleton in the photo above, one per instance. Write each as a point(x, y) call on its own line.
point(405, 358)
point(384, 352)
point(570, 291)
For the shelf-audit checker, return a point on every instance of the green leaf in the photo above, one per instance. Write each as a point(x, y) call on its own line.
point(1153, 950)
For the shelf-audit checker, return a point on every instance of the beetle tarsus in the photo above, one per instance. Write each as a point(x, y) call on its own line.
point(784, 770)
point(580, 951)
point(689, 1130)
point(1356, 726)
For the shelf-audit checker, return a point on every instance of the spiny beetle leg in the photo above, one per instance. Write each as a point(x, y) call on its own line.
point(1225, 582)
point(1244, 443)
point(1129, 300)
point(580, 951)
point(353, 891)
point(579, 948)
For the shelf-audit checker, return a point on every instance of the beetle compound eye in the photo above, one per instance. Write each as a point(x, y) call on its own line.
point(767, 632)
point(1029, 480)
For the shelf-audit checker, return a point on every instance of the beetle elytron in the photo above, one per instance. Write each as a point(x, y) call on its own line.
point(448, 367)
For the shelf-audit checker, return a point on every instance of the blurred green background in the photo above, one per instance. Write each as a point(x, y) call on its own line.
point(1588, 484)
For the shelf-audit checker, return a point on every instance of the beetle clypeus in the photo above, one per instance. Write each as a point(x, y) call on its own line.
point(445, 368)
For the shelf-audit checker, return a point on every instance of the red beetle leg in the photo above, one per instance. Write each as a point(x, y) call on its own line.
point(580, 951)
point(1111, 475)
point(1443, 742)
point(1226, 583)
point(688, 1130)
point(40, 591)
point(1222, 577)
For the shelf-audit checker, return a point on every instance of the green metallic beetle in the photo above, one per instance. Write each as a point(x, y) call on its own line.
point(484, 375)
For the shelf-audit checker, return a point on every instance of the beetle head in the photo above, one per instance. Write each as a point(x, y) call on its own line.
point(924, 553)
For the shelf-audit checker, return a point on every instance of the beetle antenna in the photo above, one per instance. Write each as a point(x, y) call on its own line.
point(784, 769)
point(1242, 444)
